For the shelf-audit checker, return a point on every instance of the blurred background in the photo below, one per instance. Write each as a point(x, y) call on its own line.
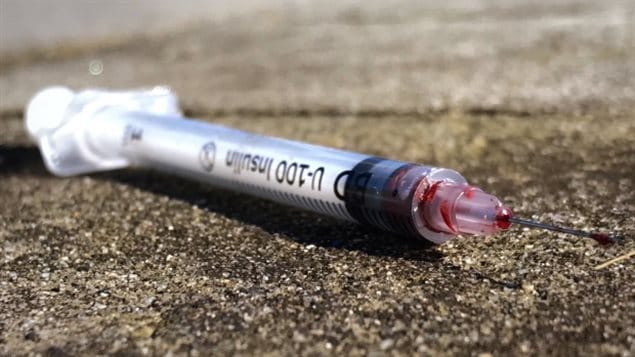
point(353, 55)
point(39, 23)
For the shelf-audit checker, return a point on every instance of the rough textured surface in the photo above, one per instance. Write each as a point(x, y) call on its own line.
point(533, 102)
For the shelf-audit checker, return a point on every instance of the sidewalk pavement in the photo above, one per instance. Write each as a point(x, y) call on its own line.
point(531, 101)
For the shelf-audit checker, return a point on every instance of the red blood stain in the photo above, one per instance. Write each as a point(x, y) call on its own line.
point(430, 192)
point(445, 213)
point(469, 192)
point(602, 238)
point(502, 218)
point(426, 198)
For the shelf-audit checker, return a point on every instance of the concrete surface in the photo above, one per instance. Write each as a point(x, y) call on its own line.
point(33, 24)
point(532, 101)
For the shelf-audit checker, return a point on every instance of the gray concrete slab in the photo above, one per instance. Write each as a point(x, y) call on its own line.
point(532, 101)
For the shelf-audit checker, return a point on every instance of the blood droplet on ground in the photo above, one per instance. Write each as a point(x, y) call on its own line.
point(602, 238)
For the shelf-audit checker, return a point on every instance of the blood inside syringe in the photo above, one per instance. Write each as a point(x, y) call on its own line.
point(465, 209)
point(503, 218)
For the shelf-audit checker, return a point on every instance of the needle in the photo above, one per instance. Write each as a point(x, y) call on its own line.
point(603, 238)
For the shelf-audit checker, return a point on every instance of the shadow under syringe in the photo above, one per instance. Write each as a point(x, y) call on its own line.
point(294, 224)
point(21, 160)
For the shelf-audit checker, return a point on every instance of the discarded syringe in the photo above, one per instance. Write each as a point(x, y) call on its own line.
point(96, 130)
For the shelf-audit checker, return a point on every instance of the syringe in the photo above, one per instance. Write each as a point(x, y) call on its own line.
point(96, 130)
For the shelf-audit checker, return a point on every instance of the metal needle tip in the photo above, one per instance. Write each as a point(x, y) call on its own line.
point(602, 238)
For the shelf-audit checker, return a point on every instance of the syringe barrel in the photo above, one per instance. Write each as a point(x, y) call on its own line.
point(370, 190)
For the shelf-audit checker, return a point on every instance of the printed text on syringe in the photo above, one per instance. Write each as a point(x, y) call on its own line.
point(290, 172)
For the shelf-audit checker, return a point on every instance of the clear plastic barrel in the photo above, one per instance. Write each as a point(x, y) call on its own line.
point(463, 209)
